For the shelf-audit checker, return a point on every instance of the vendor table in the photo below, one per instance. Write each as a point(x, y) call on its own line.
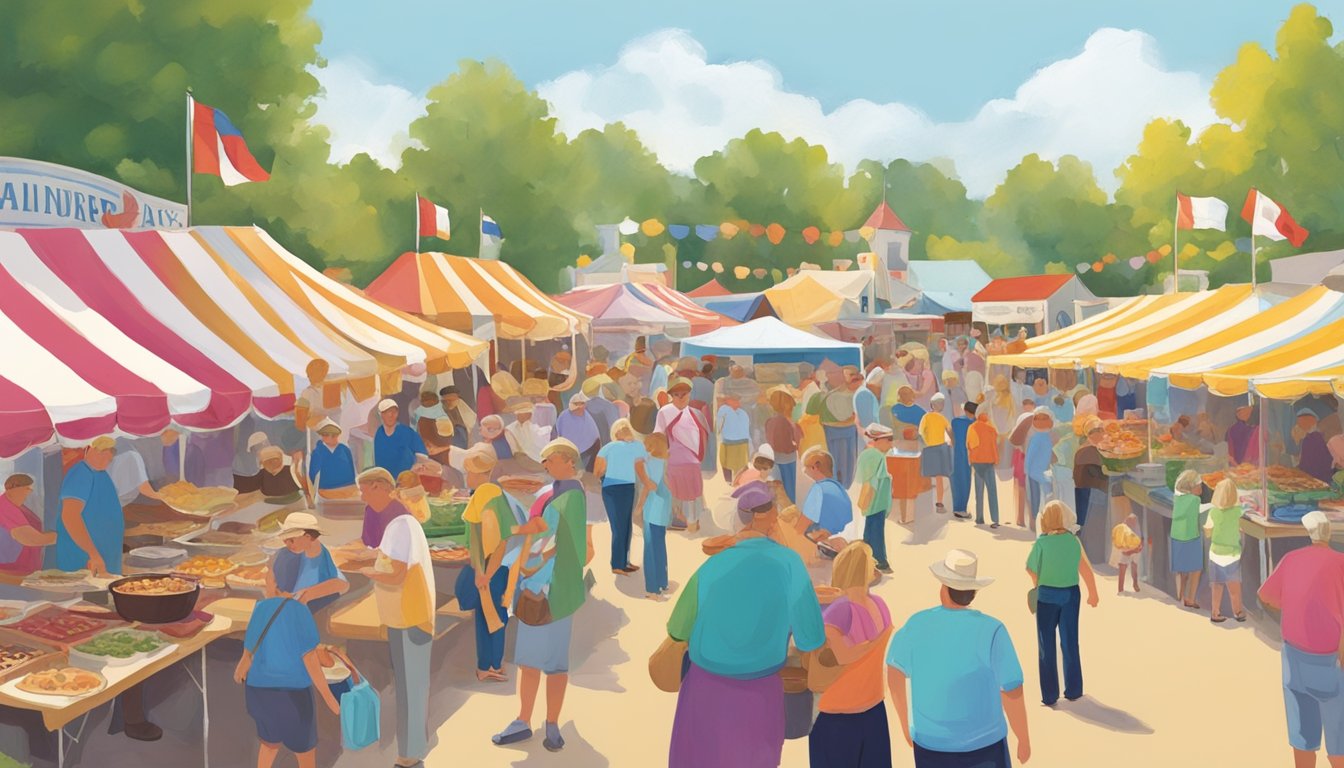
point(1153, 506)
point(60, 713)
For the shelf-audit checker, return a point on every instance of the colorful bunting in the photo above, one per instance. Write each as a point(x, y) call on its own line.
point(866, 232)
point(678, 231)
point(834, 239)
point(741, 272)
point(584, 260)
point(1136, 263)
point(628, 250)
point(686, 264)
point(1097, 266)
point(760, 272)
point(652, 227)
point(756, 230)
point(1084, 268)
point(777, 275)
point(1165, 250)
point(1189, 251)
point(775, 233)
point(811, 235)
point(1154, 257)
point(706, 232)
point(852, 235)
point(717, 267)
point(702, 266)
point(729, 230)
point(1108, 258)
point(627, 226)
point(1223, 251)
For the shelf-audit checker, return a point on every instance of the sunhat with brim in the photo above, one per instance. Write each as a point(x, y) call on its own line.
point(877, 431)
point(958, 571)
point(386, 404)
point(678, 385)
point(328, 427)
point(297, 523)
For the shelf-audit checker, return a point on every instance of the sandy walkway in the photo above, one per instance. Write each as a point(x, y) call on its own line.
point(1164, 686)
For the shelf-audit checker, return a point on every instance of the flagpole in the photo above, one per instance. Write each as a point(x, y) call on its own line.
point(1253, 254)
point(1175, 248)
point(417, 222)
point(189, 168)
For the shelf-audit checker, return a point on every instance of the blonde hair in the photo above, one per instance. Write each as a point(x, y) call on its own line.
point(854, 566)
point(621, 425)
point(656, 445)
point(1225, 494)
point(563, 447)
point(1053, 517)
point(376, 475)
point(1188, 482)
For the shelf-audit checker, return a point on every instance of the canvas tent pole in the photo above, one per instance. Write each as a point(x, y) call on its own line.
point(1175, 248)
point(189, 168)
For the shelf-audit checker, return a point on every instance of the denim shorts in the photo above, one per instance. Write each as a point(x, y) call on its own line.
point(283, 716)
point(1313, 697)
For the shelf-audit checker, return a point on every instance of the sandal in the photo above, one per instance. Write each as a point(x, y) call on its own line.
point(1240, 617)
point(1191, 606)
point(1217, 619)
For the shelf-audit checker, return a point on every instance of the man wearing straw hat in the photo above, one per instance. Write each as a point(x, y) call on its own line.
point(964, 677)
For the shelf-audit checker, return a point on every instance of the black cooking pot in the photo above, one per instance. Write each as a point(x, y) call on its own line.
point(154, 609)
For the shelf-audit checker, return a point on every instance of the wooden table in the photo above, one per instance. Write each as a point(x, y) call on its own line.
point(62, 712)
point(1267, 531)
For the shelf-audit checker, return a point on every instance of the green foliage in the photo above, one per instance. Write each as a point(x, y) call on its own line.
point(101, 86)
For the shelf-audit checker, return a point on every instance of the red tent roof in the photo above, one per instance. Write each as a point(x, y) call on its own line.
point(1027, 288)
point(711, 288)
point(885, 218)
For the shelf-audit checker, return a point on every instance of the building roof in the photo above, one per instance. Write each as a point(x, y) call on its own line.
point(711, 288)
point(1026, 288)
point(885, 218)
point(1304, 268)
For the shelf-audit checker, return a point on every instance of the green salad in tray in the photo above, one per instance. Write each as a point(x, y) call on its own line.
point(120, 644)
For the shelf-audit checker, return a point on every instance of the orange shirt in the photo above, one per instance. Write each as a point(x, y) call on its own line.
point(982, 443)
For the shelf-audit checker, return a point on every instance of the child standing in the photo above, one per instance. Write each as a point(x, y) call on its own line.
point(733, 425)
point(1126, 544)
point(656, 502)
point(1224, 530)
point(982, 449)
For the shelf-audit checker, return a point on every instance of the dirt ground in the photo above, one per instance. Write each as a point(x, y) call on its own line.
point(1164, 686)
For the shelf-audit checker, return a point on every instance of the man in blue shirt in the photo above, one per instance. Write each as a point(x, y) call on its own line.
point(964, 677)
point(736, 615)
point(827, 508)
point(304, 569)
point(89, 534)
point(395, 445)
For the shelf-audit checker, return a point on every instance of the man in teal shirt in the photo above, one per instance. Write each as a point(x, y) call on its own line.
point(737, 613)
point(964, 677)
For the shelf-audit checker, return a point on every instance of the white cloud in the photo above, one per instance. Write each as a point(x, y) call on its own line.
point(1093, 105)
point(363, 115)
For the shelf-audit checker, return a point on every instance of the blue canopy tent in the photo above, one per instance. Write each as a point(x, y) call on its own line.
point(768, 340)
point(740, 306)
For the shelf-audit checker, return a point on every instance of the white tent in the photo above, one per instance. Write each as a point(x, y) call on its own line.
point(768, 340)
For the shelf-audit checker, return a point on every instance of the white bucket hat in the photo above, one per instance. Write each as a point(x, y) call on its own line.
point(958, 571)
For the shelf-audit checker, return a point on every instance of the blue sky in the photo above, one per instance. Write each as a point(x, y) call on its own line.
point(946, 57)
point(919, 80)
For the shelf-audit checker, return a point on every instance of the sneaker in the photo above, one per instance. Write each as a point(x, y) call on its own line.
point(962, 515)
point(553, 742)
point(884, 569)
point(993, 525)
point(513, 733)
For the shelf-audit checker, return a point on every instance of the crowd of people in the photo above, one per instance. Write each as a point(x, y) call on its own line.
point(816, 458)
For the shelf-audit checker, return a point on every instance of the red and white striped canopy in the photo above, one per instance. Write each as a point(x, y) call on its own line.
point(109, 331)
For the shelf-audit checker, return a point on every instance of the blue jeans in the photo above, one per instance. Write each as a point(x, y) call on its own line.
point(875, 535)
point(993, 756)
point(620, 503)
point(986, 481)
point(788, 477)
point(1036, 495)
point(1057, 611)
point(490, 645)
point(655, 558)
point(843, 445)
point(1081, 497)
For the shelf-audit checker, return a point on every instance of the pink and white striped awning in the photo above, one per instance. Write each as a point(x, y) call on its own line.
point(108, 331)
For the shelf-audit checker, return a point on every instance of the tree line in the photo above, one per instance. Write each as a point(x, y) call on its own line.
point(100, 86)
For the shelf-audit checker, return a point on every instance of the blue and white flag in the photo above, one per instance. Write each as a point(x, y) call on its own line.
point(491, 238)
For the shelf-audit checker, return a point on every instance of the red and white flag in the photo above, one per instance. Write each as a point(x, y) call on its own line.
point(433, 219)
point(218, 148)
point(1200, 213)
point(1269, 219)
